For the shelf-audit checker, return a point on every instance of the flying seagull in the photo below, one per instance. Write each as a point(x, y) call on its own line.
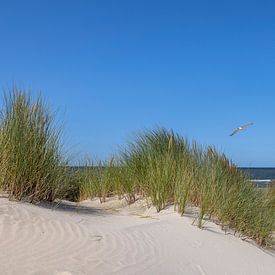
point(241, 128)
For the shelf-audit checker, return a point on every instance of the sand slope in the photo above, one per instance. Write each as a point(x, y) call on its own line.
point(89, 239)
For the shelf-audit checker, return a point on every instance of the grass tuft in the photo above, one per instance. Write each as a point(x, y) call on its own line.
point(165, 168)
point(31, 164)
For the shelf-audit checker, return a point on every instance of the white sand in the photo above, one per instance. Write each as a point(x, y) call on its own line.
point(88, 239)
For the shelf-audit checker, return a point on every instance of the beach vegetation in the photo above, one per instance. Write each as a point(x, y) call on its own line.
point(165, 168)
point(158, 165)
point(32, 166)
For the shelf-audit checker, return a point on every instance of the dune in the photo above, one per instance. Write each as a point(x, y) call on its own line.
point(113, 238)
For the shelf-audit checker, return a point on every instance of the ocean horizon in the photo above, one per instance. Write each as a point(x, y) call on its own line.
point(260, 173)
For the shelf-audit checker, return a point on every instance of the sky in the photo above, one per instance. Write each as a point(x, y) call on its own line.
point(114, 68)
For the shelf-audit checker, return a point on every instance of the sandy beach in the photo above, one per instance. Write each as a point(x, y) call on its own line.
point(113, 238)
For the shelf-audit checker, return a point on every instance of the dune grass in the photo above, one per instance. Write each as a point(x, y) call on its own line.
point(158, 165)
point(164, 167)
point(97, 180)
point(31, 163)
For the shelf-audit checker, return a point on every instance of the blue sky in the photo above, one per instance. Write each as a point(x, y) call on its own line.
point(113, 68)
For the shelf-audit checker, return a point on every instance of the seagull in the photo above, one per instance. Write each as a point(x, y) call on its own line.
point(241, 128)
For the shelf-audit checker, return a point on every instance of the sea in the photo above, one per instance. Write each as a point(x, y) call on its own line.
point(262, 176)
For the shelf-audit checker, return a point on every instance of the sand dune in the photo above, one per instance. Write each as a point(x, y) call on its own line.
point(89, 238)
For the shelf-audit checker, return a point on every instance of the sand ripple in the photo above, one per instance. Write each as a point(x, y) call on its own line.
point(82, 240)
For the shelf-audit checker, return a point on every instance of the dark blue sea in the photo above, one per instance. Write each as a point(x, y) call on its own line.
point(261, 176)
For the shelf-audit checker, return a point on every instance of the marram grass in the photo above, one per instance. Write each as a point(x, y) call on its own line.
point(158, 165)
point(164, 167)
point(31, 164)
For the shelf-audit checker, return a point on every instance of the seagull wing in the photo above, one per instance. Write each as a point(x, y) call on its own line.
point(234, 132)
point(248, 124)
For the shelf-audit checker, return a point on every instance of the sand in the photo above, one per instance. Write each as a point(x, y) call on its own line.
point(88, 238)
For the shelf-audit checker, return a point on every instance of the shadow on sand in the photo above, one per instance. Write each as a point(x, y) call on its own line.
point(73, 208)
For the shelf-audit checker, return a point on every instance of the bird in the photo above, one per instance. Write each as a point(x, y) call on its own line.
point(240, 128)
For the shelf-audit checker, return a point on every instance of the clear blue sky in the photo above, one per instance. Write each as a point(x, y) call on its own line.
point(113, 68)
